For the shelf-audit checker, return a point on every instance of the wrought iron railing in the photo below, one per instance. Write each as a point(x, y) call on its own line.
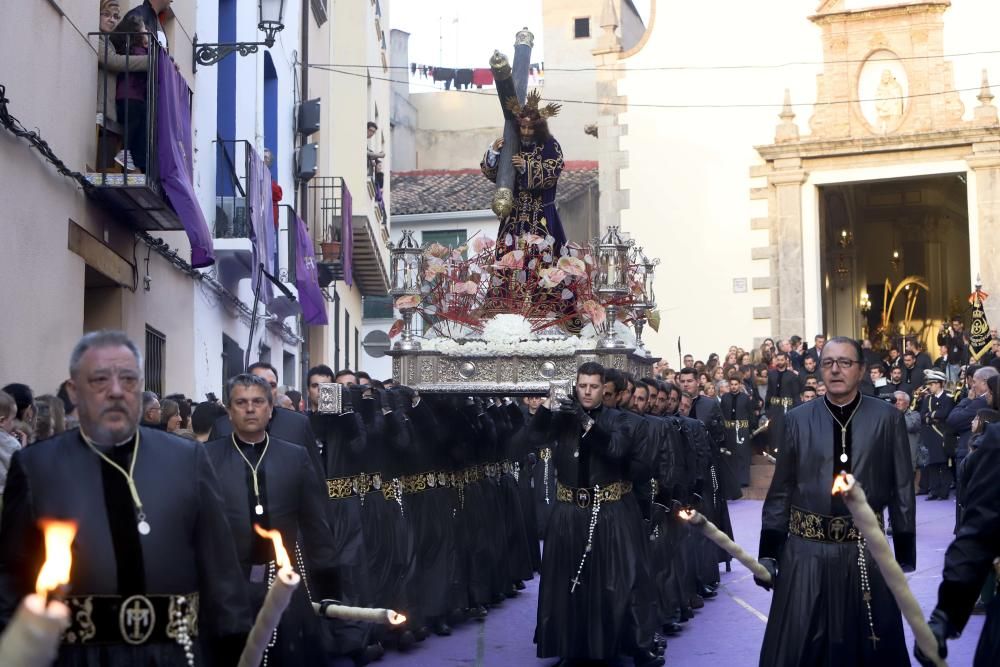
point(289, 229)
point(126, 127)
point(232, 210)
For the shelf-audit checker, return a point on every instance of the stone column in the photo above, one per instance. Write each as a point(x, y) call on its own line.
point(791, 313)
point(985, 162)
point(611, 159)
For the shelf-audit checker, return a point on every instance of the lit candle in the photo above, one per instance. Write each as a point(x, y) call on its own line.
point(712, 532)
point(278, 597)
point(32, 637)
point(366, 614)
point(878, 545)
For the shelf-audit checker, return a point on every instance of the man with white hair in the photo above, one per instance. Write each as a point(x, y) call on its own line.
point(913, 425)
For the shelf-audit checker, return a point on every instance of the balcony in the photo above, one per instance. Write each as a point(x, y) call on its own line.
point(231, 227)
point(129, 187)
point(333, 224)
point(285, 302)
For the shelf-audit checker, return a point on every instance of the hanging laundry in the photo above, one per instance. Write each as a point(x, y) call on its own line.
point(482, 76)
point(446, 74)
point(463, 79)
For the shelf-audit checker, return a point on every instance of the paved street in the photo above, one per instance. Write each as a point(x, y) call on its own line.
point(728, 631)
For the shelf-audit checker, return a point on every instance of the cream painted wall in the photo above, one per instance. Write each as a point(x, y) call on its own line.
point(44, 298)
point(688, 169)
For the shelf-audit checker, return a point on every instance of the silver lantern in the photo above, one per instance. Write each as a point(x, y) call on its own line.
point(406, 276)
point(611, 255)
point(645, 269)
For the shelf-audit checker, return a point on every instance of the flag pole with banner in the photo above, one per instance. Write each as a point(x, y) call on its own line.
point(980, 339)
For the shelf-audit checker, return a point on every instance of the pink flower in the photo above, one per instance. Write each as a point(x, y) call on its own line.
point(513, 261)
point(437, 250)
point(408, 301)
point(549, 278)
point(594, 311)
point(434, 267)
point(481, 244)
point(467, 287)
point(572, 266)
point(533, 239)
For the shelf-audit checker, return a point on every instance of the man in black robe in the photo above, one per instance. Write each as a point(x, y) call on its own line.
point(344, 440)
point(831, 604)
point(783, 393)
point(589, 565)
point(272, 483)
point(152, 539)
point(739, 421)
point(969, 558)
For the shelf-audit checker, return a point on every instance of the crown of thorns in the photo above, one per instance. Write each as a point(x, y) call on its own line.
point(531, 104)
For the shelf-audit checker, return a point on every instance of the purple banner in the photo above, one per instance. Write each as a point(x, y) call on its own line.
point(306, 279)
point(347, 229)
point(262, 231)
point(173, 149)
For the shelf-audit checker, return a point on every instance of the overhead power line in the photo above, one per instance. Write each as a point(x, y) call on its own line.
point(703, 68)
point(639, 105)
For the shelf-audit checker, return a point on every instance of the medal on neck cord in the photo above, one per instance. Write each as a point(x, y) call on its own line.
point(258, 508)
point(142, 525)
point(843, 430)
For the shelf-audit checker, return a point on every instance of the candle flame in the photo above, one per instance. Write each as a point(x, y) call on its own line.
point(395, 618)
point(841, 484)
point(280, 555)
point(687, 514)
point(58, 555)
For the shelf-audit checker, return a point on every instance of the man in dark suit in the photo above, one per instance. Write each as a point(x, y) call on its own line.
point(286, 425)
point(269, 482)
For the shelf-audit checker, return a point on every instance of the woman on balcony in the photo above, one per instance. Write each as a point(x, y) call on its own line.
point(110, 63)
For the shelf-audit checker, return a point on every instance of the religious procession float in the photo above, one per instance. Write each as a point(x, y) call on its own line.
point(517, 314)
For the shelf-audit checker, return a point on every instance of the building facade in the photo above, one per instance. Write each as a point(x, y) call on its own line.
point(98, 248)
point(791, 218)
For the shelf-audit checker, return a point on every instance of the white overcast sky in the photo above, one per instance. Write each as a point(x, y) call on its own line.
point(464, 33)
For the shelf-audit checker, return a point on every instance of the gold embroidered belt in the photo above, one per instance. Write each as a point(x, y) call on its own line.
point(135, 620)
point(472, 474)
point(391, 488)
point(340, 487)
point(507, 467)
point(822, 528)
point(781, 402)
point(366, 482)
point(426, 480)
point(584, 497)
point(545, 453)
point(739, 423)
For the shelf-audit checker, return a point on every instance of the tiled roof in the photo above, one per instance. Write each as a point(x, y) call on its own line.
point(440, 191)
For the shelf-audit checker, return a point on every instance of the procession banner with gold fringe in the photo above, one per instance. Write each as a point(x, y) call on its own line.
point(980, 339)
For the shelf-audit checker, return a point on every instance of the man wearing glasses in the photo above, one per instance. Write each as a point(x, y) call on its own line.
point(831, 604)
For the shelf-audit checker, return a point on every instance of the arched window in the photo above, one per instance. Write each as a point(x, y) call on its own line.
point(225, 96)
point(271, 112)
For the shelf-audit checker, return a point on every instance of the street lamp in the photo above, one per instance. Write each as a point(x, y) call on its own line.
point(646, 301)
point(269, 22)
point(406, 264)
point(611, 255)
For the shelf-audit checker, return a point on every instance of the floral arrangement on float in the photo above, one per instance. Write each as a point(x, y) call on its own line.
point(525, 294)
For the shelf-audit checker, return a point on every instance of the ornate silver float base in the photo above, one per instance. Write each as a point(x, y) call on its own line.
point(433, 372)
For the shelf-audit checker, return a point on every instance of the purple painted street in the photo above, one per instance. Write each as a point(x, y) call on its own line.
point(727, 632)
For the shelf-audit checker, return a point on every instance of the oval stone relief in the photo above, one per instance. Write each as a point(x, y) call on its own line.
point(882, 91)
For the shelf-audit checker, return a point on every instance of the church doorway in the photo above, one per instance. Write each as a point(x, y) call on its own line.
point(900, 242)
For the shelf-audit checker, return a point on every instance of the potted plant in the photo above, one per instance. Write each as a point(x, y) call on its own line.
point(331, 248)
